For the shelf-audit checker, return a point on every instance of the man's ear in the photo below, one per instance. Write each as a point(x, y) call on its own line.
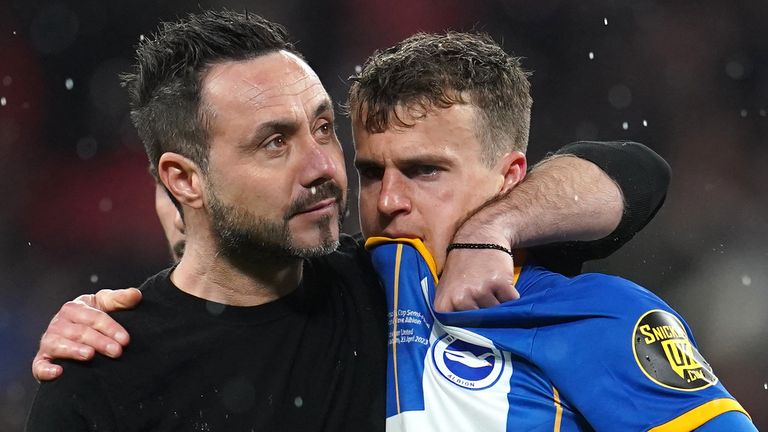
point(512, 166)
point(178, 222)
point(182, 178)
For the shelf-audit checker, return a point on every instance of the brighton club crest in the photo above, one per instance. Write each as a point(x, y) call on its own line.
point(469, 366)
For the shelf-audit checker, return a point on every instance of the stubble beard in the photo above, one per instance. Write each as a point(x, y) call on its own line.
point(242, 235)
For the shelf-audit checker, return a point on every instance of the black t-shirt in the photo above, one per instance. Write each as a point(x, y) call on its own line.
point(311, 361)
point(314, 360)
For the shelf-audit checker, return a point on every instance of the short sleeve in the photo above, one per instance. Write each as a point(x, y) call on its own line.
point(625, 360)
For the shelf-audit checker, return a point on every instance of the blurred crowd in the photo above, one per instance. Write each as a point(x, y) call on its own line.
point(687, 78)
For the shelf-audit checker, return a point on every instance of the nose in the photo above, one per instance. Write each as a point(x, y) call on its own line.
point(393, 197)
point(319, 164)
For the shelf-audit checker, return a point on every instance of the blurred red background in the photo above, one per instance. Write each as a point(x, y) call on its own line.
point(688, 78)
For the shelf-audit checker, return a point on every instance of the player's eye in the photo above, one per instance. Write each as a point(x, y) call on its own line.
point(423, 171)
point(370, 173)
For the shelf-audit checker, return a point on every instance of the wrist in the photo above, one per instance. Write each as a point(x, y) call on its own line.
point(491, 246)
point(489, 225)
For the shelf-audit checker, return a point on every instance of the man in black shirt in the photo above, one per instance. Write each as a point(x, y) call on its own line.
point(271, 320)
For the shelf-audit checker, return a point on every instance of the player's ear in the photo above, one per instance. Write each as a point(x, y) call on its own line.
point(511, 167)
point(183, 179)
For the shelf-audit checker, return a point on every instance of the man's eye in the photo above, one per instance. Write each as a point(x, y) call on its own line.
point(275, 143)
point(326, 128)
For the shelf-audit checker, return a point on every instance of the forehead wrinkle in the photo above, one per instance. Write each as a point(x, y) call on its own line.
point(292, 117)
point(310, 109)
point(282, 88)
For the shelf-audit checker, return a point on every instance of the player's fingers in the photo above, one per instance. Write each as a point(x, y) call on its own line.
point(60, 347)
point(506, 292)
point(78, 314)
point(442, 302)
point(485, 298)
point(462, 300)
point(87, 336)
point(44, 370)
point(114, 300)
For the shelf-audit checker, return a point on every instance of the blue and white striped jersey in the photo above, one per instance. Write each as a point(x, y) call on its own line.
point(594, 352)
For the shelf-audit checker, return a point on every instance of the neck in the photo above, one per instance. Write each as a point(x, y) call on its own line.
point(204, 272)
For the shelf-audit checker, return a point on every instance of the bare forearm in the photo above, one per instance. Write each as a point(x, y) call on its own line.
point(563, 198)
point(582, 206)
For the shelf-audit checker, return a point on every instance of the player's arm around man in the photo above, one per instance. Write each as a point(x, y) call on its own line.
point(568, 210)
point(612, 205)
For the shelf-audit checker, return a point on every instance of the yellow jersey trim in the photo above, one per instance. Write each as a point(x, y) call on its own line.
point(398, 258)
point(558, 410)
point(415, 242)
point(700, 415)
point(371, 242)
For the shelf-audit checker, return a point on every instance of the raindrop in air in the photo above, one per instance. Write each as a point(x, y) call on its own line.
point(743, 113)
point(645, 123)
point(299, 402)
point(762, 113)
point(3, 101)
point(358, 69)
point(29, 244)
point(105, 205)
point(94, 278)
point(746, 280)
point(591, 55)
point(605, 21)
point(69, 83)
point(625, 125)
point(141, 37)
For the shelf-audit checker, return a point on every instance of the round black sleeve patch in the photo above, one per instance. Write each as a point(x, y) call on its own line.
point(666, 355)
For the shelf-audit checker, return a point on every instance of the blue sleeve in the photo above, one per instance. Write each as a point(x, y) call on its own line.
point(408, 277)
point(731, 421)
point(624, 359)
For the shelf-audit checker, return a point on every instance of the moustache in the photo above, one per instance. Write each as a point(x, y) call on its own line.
point(308, 200)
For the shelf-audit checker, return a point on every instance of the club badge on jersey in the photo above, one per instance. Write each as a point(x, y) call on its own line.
point(434, 372)
point(524, 365)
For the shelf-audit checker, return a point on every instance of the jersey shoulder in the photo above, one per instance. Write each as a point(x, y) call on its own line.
point(586, 293)
point(611, 341)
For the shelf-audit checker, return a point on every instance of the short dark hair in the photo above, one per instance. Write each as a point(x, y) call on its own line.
point(165, 86)
point(438, 71)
